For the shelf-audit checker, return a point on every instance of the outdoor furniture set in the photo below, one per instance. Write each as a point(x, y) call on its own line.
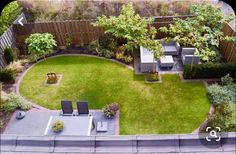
point(82, 107)
point(171, 49)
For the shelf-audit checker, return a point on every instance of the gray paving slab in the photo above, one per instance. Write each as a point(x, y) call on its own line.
point(35, 143)
point(160, 143)
point(229, 142)
point(7, 142)
point(75, 144)
point(3, 152)
point(125, 144)
point(35, 123)
point(191, 142)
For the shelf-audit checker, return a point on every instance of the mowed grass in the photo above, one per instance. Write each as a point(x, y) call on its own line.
point(168, 107)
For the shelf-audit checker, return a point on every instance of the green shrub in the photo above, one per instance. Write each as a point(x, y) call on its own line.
point(13, 102)
point(16, 66)
point(9, 55)
point(224, 118)
point(107, 41)
point(219, 94)
point(209, 70)
point(7, 76)
point(9, 106)
point(105, 53)
point(128, 59)
point(58, 126)
point(232, 90)
point(226, 80)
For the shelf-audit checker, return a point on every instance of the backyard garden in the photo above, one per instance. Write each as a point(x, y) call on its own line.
point(47, 67)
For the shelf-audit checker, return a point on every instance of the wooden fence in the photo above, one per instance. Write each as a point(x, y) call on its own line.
point(81, 31)
point(228, 49)
point(7, 39)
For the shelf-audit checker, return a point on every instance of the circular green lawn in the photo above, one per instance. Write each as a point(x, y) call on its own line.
point(168, 107)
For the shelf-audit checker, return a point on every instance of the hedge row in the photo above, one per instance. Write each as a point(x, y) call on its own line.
point(209, 70)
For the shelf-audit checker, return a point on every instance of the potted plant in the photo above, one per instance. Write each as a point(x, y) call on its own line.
point(110, 110)
point(58, 126)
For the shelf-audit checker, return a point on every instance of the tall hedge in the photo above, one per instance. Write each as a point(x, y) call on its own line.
point(209, 70)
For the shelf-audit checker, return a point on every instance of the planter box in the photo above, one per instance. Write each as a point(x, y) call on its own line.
point(188, 57)
point(146, 60)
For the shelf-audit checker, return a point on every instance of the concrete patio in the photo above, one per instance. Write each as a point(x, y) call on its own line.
point(36, 121)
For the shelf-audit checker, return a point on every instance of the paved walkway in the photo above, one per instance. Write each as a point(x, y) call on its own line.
point(35, 123)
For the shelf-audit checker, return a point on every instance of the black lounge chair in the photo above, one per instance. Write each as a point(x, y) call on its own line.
point(82, 108)
point(67, 108)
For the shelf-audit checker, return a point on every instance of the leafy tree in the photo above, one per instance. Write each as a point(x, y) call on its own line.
point(203, 31)
point(133, 28)
point(40, 45)
point(8, 15)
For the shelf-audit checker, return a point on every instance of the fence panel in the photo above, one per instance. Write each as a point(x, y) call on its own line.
point(7, 39)
point(228, 49)
point(82, 32)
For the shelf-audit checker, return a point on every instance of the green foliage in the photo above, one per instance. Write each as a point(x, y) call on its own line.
point(107, 41)
point(110, 110)
point(226, 80)
point(224, 118)
point(128, 59)
point(16, 66)
point(201, 31)
point(69, 40)
point(218, 94)
point(209, 70)
point(40, 45)
point(9, 106)
point(14, 101)
point(132, 28)
point(8, 15)
point(9, 55)
point(103, 52)
point(7, 75)
point(58, 126)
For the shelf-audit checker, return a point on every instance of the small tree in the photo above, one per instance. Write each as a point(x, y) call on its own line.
point(40, 45)
point(202, 31)
point(131, 27)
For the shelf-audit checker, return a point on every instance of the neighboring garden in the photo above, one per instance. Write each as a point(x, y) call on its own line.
point(171, 106)
point(77, 10)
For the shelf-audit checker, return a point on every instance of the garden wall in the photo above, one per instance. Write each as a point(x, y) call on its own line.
point(228, 49)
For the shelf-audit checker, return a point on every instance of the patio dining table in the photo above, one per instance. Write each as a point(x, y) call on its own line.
point(73, 125)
